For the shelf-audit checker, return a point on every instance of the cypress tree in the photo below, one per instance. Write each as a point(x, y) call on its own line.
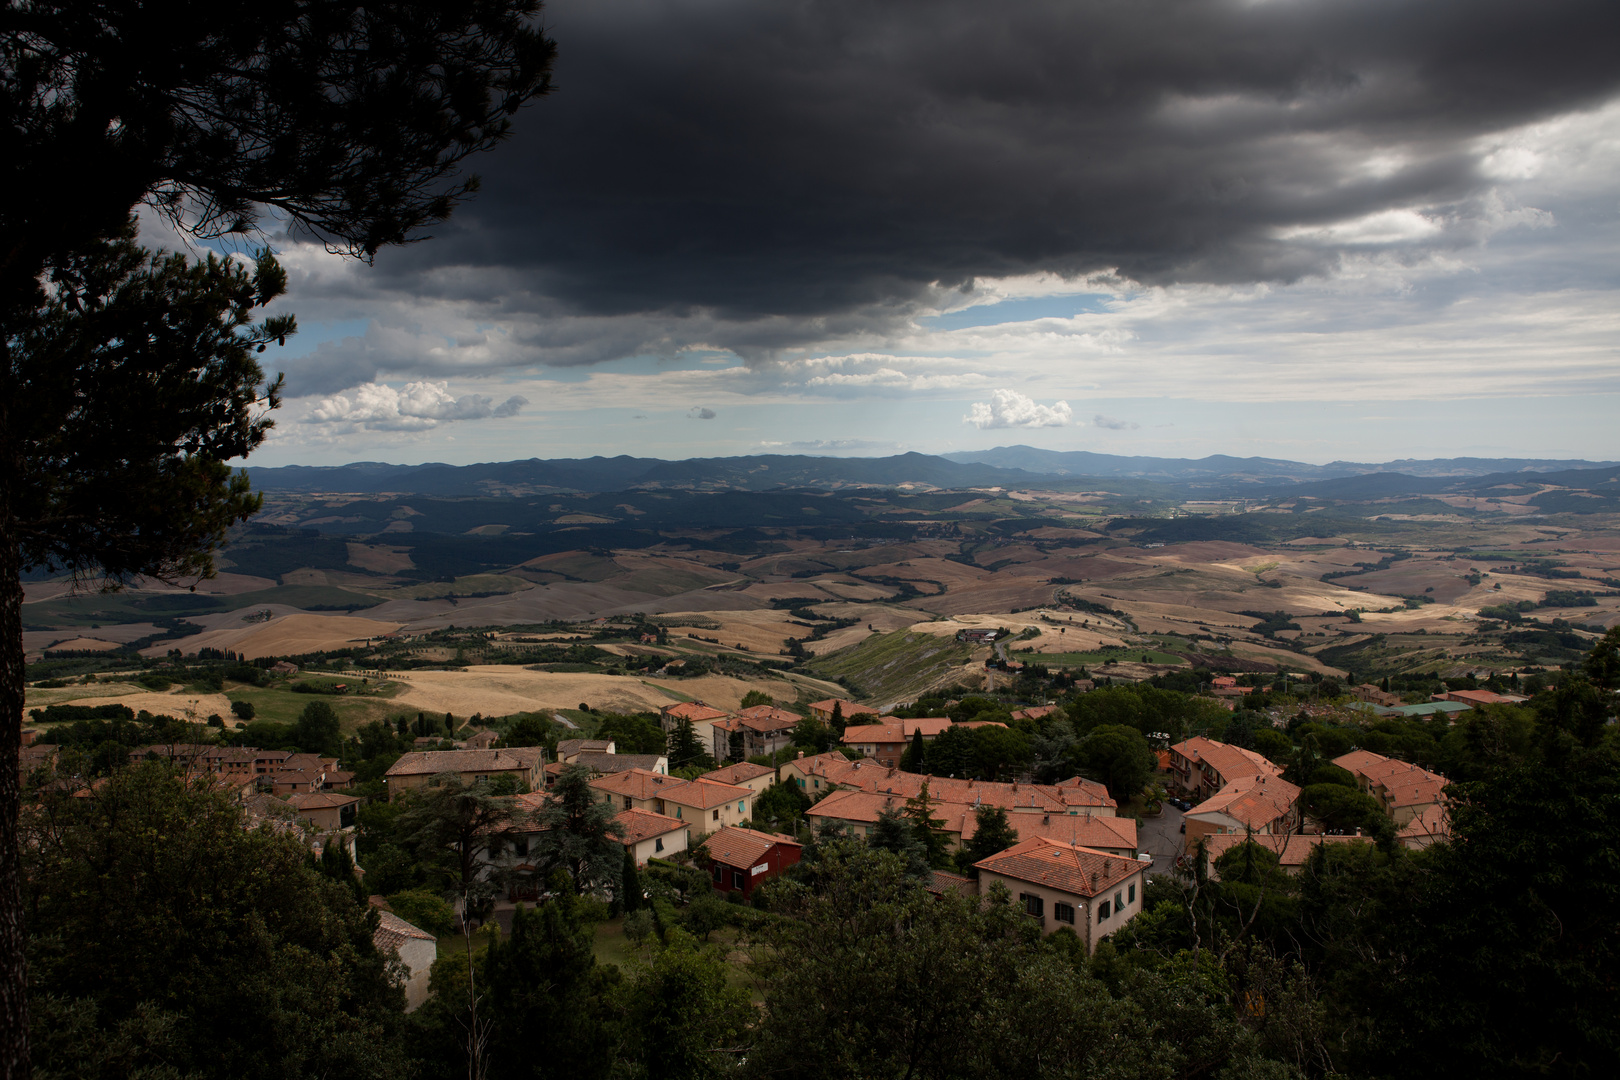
point(630, 898)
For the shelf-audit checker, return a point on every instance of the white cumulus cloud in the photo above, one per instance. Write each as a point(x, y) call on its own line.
point(418, 406)
point(1010, 409)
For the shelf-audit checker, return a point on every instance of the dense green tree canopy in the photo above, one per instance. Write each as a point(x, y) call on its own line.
point(155, 914)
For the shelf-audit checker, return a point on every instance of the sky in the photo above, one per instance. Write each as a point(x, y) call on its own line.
point(1310, 229)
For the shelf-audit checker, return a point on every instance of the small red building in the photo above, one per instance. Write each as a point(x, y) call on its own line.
point(740, 859)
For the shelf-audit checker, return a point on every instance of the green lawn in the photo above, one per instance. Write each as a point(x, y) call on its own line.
point(281, 704)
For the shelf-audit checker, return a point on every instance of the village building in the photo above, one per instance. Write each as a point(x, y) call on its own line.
point(418, 769)
point(701, 716)
point(753, 732)
point(848, 711)
point(1257, 804)
point(1402, 789)
point(1063, 886)
point(708, 806)
point(744, 774)
point(415, 947)
point(886, 742)
point(1291, 850)
point(1203, 766)
point(740, 860)
point(327, 811)
point(636, 789)
point(652, 836)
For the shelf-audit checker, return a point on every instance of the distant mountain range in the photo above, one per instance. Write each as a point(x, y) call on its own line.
point(1004, 466)
point(1254, 469)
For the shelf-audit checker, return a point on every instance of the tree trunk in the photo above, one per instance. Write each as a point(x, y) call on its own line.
point(14, 1060)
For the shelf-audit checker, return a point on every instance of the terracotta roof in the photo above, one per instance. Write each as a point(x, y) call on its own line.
point(939, 883)
point(1403, 783)
point(434, 762)
point(974, 725)
point(638, 784)
point(642, 825)
point(706, 794)
point(1432, 823)
point(1230, 762)
point(896, 730)
point(1078, 871)
point(1081, 830)
point(319, 800)
point(393, 931)
point(739, 773)
point(1034, 712)
point(1255, 801)
point(695, 711)
point(867, 775)
point(769, 713)
point(1291, 849)
point(743, 848)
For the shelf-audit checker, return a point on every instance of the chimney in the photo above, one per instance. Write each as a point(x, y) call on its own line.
point(801, 755)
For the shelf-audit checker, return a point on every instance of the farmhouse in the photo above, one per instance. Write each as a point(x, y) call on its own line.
point(884, 743)
point(1203, 766)
point(648, 835)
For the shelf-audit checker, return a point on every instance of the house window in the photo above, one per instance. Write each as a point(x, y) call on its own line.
point(658, 844)
point(717, 814)
point(627, 802)
point(520, 846)
point(494, 846)
point(1034, 906)
point(1119, 902)
point(1133, 892)
point(719, 874)
point(1102, 911)
point(740, 809)
point(1063, 913)
point(736, 879)
point(677, 811)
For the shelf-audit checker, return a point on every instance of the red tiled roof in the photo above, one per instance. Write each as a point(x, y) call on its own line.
point(896, 731)
point(638, 784)
point(743, 848)
point(738, 774)
point(642, 825)
point(706, 794)
point(1291, 849)
point(1075, 870)
point(1230, 762)
point(1255, 801)
point(694, 711)
point(393, 931)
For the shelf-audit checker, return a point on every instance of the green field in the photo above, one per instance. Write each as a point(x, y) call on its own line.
point(281, 704)
point(894, 666)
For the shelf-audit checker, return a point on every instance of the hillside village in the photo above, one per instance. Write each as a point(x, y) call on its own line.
point(1075, 858)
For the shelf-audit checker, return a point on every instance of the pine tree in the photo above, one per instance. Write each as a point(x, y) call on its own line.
point(837, 722)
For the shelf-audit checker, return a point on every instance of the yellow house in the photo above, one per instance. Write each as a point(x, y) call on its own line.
point(709, 807)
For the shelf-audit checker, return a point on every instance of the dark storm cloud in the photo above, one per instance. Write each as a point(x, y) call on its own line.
point(783, 170)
